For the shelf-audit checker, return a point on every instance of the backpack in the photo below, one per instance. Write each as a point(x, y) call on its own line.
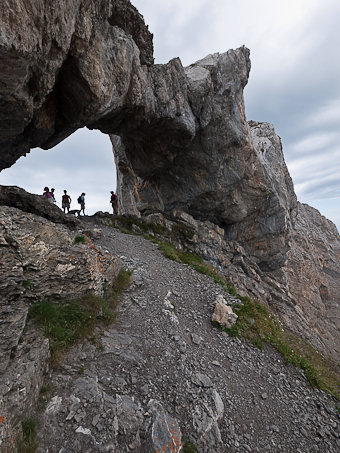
point(113, 198)
point(79, 199)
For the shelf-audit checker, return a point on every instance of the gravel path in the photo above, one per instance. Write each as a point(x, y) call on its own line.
point(162, 356)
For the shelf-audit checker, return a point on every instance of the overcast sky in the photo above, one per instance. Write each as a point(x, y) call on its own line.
point(294, 84)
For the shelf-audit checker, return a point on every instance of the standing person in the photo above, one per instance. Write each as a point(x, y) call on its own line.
point(47, 194)
point(114, 202)
point(81, 201)
point(53, 197)
point(66, 202)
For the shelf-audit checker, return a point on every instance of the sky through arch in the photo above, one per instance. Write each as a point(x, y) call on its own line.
point(83, 162)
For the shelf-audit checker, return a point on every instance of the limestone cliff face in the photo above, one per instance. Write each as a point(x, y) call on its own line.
point(180, 137)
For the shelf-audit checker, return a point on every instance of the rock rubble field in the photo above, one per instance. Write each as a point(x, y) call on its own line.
point(161, 378)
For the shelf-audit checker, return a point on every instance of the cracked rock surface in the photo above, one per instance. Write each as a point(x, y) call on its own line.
point(164, 376)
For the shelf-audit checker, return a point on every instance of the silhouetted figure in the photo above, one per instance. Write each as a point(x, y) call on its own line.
point(47, 194)
point(114, 202)
point(81, 201)
point(53, 197)
point(66, 202)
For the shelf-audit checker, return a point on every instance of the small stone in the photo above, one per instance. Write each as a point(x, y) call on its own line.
point(100, 427)
point(195, 339)
point(82, 430)
point(144, 389)
point(182, 348)
point(201, 380)
point(264, 396)
point(95, 419)
point(79, 417)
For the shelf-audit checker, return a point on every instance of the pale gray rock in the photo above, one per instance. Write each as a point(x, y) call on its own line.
point(201, 380)
point(223, 314)
point(206, 416)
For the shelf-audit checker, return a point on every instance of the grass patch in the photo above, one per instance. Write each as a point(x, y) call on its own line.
point(189, 447)
point(45, 389)
point(66, 323)
point(80, 239)
point(180, 229)
point(27, 283)
point(126, 224)
point(196, 262)
point(29, 431)
point(258, 325)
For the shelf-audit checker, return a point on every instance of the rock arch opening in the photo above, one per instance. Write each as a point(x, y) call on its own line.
point(83, 162)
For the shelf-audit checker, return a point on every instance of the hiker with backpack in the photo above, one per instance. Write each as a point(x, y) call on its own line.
point(66, 202)
point(81, 201)
point(114, 202)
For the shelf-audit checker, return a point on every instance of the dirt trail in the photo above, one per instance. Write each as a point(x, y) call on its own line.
point(162, 357)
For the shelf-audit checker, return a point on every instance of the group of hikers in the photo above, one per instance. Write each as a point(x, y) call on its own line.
point(66, 201)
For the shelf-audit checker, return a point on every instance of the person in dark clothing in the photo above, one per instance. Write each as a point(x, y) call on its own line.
point(114, 202)
point(81, 201)
point(66, 202)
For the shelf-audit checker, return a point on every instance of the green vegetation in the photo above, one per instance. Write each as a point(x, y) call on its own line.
point(79, 239)
point(180, 229)
point(29, 431)
point(27, 283)
point(195, 262)
point(256, 324)
point(127, 225)
point(189, 447)
point(45, 389)
point(68, 322)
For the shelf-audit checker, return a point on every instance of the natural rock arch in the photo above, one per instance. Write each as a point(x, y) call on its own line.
point(184, 140)
point(184, 131)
